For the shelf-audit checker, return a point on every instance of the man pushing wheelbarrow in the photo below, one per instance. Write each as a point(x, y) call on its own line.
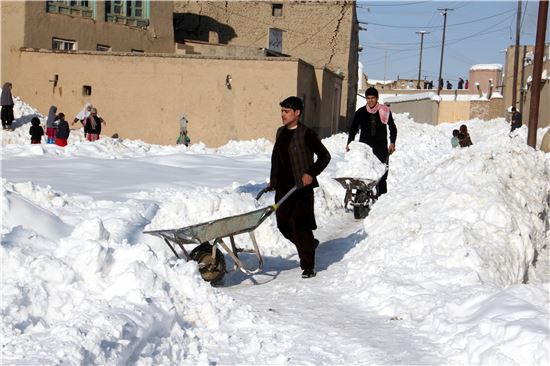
point(293, 172)
point(292, 164)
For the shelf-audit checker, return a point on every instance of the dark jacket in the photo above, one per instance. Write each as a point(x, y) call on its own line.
point(377, 137)
point(303, 145)
point(93, 125)
point(63, 130)
point(36, 132)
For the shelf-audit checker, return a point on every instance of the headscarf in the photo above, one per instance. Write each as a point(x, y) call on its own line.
point(51, 117)
point(6, 99)
point(84, 113)
point(383, 110)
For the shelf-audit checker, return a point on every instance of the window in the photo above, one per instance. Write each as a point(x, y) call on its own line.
point(135, 50)
point(86, 90)
point(63, 44)
point(130, 12)
point(103, 48)
point(79, 8)
point(277, 10)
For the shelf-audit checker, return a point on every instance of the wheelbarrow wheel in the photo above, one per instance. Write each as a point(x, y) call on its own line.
point(211, 269)
point(360, 211)
point(361, 204)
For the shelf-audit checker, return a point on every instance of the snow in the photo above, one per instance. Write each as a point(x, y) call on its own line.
point(486, 67)
point(440, 272)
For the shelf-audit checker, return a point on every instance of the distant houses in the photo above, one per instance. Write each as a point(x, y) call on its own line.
point(225, 65)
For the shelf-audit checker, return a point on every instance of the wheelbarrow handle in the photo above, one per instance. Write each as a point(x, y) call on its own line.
point(261, 193)
point(277, 204)
point(280, 202)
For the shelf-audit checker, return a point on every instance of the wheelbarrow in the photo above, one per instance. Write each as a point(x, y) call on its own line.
point(361, 193)
point(210, 236)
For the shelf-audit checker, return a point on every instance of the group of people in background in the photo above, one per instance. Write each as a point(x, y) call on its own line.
point(447, 85)
point(58, 130)
point(461, 137)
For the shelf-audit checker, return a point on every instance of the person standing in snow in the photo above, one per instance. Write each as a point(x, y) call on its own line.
point(455, 139)
point(183, 138)
point(464, 137)
point(516, 119)
point(292, 164)
point(373, 120)
point(6, 100)
point(92, 126)
point(63, 131)
point(51, 127)
point(83, 115)
point(36, 131)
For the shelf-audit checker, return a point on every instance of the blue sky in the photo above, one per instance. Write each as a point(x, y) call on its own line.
point(477, 33)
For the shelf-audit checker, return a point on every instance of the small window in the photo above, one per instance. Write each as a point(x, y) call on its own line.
point(63, 44)
point(277, 10)
point(102, 48)
point(136, 51)
point(86, 90)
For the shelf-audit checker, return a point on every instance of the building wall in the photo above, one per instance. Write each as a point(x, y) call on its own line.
point(486, 109)
point(323, 33)
point(40, 27)
point(524, 88)
point(452, 111)
point(143, 96)
point(483, 77)
point(12, 33)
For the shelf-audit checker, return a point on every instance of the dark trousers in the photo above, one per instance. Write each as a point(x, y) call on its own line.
point(296, 221)
point(7, 115)
point(382, 154)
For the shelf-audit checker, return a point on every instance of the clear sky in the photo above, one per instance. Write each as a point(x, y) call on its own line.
point(477, 32)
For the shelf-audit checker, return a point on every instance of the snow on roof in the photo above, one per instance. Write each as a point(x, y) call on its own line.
point(408, 97)
point(375, 81)
point(486, 67)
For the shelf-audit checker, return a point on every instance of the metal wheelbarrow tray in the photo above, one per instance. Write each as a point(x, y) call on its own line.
point(360, 194)
point(210, 234)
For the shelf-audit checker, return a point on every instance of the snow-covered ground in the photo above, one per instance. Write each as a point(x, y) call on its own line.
point(441, 271)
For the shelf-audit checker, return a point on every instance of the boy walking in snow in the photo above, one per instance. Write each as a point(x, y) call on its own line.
point(373, 120)
point(292, 164)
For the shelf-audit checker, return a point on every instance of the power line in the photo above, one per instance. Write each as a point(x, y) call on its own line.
point(399, 4)
point(435, 26)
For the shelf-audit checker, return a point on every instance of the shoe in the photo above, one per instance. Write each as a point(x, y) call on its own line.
point(308, 273)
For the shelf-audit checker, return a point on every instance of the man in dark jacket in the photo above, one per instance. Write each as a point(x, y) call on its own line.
point(373, 120)
point(292, 164)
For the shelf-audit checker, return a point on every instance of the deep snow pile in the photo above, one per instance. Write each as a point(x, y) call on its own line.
point(445, 253)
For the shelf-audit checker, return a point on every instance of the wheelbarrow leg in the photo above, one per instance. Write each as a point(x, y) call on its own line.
point(236, 259)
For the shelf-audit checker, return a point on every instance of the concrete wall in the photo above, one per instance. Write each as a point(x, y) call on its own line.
point(452, 111)
point(142, 96)
point(422, 111)
point(486, 109)
point(323, 33)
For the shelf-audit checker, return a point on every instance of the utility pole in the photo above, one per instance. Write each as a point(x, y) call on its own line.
point(439, 81)
point(516, 57)
point(385, 65)
point(420, 63)
point(537, 74)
